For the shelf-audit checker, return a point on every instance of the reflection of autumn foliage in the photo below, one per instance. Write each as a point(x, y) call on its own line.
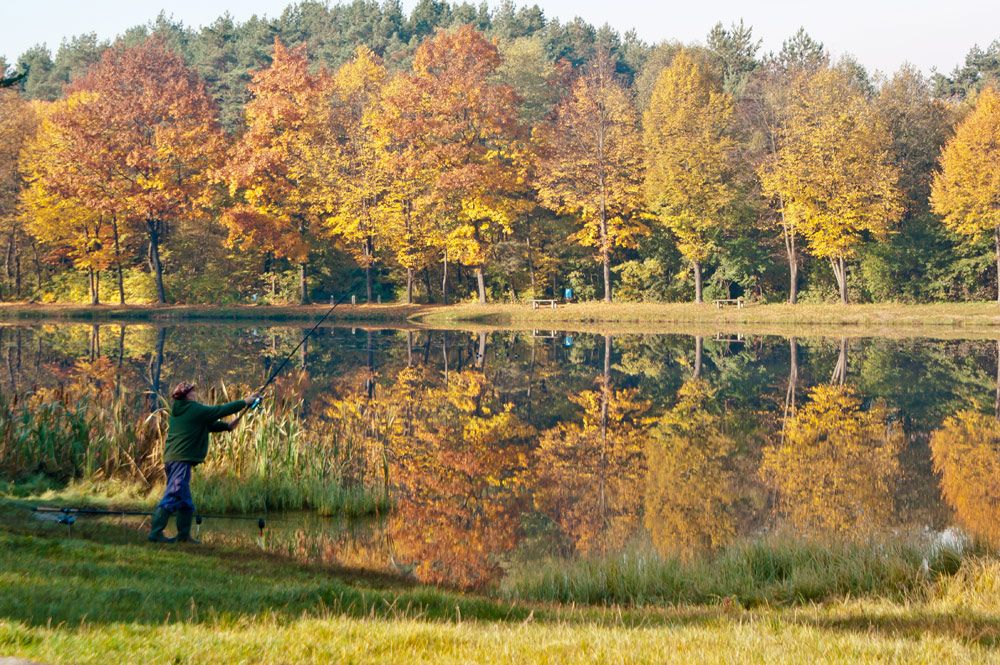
point(459, 455)
point(589, 474)
point(966, 454)
point(693, 489)
point(836, 467)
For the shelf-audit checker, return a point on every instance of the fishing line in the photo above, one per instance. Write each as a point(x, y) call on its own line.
point(288, 357)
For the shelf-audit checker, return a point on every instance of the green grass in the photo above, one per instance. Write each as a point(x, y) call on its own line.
point(773, 570)
point(104, 596)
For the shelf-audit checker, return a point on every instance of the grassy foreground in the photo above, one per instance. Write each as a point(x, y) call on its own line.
point(105, 596)
point(948, 319)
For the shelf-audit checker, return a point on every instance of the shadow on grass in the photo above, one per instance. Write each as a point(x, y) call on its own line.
point(109, 575)
point(969, 626)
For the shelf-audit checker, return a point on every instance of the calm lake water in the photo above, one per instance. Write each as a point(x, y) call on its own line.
point(573, 445)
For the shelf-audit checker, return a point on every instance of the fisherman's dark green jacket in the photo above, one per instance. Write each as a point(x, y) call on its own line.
point(190, 423)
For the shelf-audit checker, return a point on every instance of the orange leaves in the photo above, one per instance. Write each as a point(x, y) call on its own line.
point(459, 136)
point(146, 128)
point(270, 168)
point(591, 165)
point(589, 474)
point(966, 455)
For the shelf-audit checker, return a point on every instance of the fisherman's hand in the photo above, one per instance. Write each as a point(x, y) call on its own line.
point(249, 399)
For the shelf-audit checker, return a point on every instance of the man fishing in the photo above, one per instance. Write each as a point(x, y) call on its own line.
point(186, 446)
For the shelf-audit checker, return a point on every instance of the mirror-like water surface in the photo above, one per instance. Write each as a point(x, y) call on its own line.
point(505, 448)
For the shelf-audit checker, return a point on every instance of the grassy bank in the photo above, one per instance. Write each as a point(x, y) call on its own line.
point(775, 569)
point(103, 596)
point(942, 319)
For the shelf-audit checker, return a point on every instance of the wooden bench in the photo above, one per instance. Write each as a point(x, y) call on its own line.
point(552, 303)
point(729, 301)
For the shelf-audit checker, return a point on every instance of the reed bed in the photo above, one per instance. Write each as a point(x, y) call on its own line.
point(774, 569)
point(97, 433)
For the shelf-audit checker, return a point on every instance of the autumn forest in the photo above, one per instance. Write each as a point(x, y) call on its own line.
point(463, 154)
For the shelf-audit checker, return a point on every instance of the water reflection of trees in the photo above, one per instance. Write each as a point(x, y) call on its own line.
point(697, 493)
point(458, 456)
point(836, 466)
point(966, 455)
point(481, 428)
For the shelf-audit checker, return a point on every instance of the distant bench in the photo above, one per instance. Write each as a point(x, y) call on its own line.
point(551, 303)
point(729, 301)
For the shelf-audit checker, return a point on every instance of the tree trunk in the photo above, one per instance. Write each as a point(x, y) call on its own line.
point(793, 380)
point(17, 270)
point(427, 282)
point(481, 353)
point(531, 266)
point(481, 283)
point(839, 266)
point(793, 265)
point(409, 286)
point(840, 370)
point(444, 279)
point(698, 349)
point(94, 295)
point(444, 354)
point(697, 282)
point(996, 240)
point(155, 365)
point(605, 255)
point(95, 342)
point(368, 269)
point(118, 263)
point(303, 288)
point(155, 266)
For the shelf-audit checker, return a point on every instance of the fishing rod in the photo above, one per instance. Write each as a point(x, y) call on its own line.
point(256, 402)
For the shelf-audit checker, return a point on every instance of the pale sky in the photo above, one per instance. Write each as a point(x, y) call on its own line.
point(881, 34)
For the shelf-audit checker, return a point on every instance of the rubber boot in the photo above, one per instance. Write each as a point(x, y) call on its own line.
point(184, 520)
point(158, 524)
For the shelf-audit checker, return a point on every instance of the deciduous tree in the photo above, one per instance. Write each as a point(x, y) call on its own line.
point(18, 122)
point(592, 164)
point(966, 456)
point(356, 182)
point(140, 143)
point(271, 170)
point(832, 169)
point(462, 130)
point(687, 146)
point(836, 465)
point(965, 192)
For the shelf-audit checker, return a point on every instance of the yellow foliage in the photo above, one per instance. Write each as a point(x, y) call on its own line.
point(686, 151)
point(836, 467)
point(590, 473)
point(965, 191)
point(832, 169)
point(592, 165)
point(693, 492)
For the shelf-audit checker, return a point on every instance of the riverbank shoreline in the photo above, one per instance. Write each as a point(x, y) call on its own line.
point(100, 593)
point(933, 320)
